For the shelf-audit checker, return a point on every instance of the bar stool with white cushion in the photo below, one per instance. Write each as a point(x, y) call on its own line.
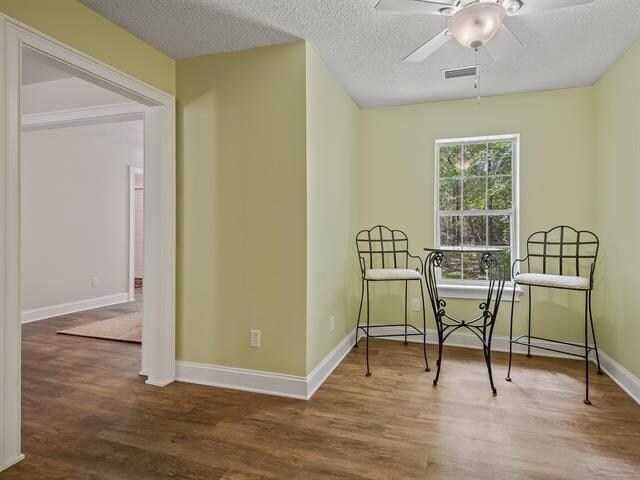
point(559, 258)
point(384, 257)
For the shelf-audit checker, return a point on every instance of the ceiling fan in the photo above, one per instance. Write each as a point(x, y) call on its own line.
point(474, 23)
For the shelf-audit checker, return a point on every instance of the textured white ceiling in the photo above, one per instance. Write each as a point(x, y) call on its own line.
point(364, 47)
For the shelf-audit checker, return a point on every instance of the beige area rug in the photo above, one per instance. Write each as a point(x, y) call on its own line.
point(124, 328)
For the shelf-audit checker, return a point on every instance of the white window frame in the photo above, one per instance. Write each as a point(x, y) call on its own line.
point(454, 288)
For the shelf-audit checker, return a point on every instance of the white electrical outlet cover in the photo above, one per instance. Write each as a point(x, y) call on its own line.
point(255, 338)
point(416, 305)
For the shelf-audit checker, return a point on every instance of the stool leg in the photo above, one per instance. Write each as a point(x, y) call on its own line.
point(593, 334)
point(529, 334)
point(405, 311)
point(487, 358)
point(367, 344)
point(424, 330)
point(586, 349)
point(513, 301)
point(440, 342)
point(355, 344)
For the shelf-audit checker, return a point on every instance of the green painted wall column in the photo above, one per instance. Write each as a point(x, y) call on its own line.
point(617, 298)
point(242, 206)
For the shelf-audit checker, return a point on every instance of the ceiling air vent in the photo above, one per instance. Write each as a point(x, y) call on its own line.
point(459, 72)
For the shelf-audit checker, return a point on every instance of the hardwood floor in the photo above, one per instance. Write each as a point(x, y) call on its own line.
point(88, 415)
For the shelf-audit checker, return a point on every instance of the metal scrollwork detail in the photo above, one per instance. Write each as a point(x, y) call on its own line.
point(440, 260)
point(489, 261)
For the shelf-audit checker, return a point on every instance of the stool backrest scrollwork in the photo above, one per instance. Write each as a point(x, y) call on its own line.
point(382, 247)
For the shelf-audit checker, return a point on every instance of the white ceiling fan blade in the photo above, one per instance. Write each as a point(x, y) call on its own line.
point(504, 44)
point(428, 48)
point(535, 6)
point(413, 6)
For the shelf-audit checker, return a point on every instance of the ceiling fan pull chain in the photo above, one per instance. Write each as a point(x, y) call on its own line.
point(477, 79)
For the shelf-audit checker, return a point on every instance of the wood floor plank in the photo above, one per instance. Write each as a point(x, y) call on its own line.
point(87, 414)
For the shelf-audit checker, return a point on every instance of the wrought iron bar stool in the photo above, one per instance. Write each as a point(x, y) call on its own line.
point(384, 257)
point(493, 263)
point(559, 258)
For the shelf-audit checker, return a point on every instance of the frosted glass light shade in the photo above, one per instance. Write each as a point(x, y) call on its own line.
point(475, 25)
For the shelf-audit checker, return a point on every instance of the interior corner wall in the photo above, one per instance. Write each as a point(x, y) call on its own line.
point(75, 213)
point(242, 207)
point(332, 210)
point(72, 23)
point(617, 303)
point(557, 178)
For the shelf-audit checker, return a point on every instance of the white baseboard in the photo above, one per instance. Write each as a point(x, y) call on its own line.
point(500, 343)
point(72, 307)
point(256, 381)
point(321, 372)
point(11, 463)
point(242, 379)
point(623, 377)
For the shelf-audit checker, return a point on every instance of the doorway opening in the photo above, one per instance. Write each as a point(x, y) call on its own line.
point(155, 113)
point(82, 151)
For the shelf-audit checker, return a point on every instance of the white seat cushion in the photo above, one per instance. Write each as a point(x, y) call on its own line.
point(392, 274)
point(558, 281)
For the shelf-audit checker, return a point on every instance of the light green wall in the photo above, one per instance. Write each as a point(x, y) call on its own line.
point(270, 193)
point(332, 209)
point(80, 27)
point(242, 209)
point(617, 301)
point(557, 178)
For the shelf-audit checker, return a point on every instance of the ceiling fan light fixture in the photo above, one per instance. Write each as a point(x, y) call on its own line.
point(476, 24)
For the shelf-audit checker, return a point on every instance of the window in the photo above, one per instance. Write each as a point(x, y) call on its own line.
point(476, 200)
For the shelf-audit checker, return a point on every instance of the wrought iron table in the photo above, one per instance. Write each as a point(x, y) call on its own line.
point(493, 263)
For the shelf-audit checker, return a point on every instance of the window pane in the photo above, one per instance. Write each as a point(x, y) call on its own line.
point(450, 161)
point(472, 269)
point(450, 194)
point(507, 264)
point(475, 230)
point(499, 155)
point(474, 193)
point(475, 159)
point(500, 230)
point(453, 269)
point(450, 231)
point(499, 193)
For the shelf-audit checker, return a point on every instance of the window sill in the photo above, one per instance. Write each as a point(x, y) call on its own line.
point(476, 292)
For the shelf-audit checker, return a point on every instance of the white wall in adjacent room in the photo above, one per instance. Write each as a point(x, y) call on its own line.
point(65, 94)
point(75, 211)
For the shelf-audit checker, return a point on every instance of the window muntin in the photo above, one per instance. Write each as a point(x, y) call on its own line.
point(476, 199)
